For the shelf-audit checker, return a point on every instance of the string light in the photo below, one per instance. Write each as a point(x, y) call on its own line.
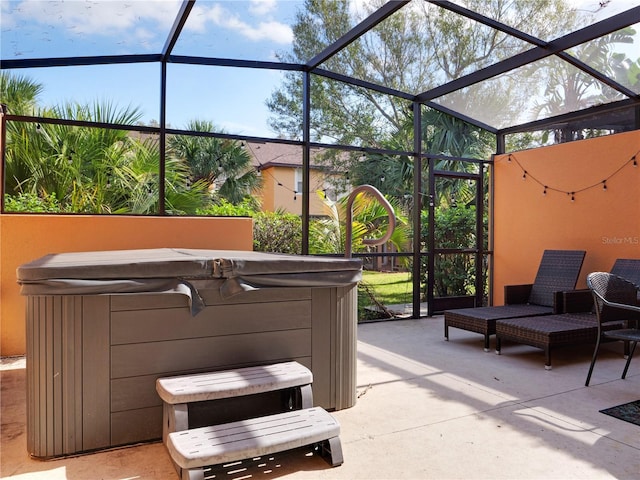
point(572, 194)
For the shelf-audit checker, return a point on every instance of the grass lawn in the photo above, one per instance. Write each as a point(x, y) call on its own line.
point(388, 288)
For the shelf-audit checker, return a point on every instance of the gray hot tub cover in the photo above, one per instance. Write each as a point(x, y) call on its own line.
point(172, 269)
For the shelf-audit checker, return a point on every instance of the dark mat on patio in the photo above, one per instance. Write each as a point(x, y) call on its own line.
point(629, 412)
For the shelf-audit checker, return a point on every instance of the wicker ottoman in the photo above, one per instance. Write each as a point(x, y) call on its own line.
point(548, 331)
point(483, 319)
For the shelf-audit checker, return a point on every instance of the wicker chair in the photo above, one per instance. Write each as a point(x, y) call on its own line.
point(578, 325)
point(615, 299)
point(558, 271)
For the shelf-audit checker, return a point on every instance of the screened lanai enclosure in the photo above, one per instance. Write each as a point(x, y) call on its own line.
point(216, 108)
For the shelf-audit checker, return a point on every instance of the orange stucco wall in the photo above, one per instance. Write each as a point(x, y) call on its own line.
point(26, 237)
point(604, 223)
point(281, 197)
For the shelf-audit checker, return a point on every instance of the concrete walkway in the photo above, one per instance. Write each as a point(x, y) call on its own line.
point(427, 409)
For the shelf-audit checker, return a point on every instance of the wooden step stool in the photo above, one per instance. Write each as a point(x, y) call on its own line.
point(307, 425)
point(177, 392)
point(192, 450)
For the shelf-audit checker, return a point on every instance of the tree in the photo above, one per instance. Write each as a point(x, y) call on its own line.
point(344, 113)
point(419, 47)
point(222, 163)
point(139, 177)
point(64, 168)
point(567, 88)
point(19, 93)
point(68, 161)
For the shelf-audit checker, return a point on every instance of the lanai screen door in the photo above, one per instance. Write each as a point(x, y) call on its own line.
point(456, 257)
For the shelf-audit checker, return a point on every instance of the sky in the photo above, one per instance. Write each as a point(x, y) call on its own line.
point(234, 99)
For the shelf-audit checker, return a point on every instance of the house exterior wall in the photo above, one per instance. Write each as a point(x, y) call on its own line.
point(24, 238)
point(282, 196)
point(604, 223)
point(267, 192)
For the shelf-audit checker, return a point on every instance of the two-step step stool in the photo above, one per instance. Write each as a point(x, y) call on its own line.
point(301, 424)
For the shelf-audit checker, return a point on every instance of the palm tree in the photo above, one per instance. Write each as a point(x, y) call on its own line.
point(223, 163)
point(442, 134)
point(370, 220)
point(87, 169)
point(73, 163)
point(570, 89)
point(19, 93)
point(138, 176)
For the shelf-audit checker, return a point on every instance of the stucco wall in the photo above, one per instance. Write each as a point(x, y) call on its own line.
point(605, 223)
point(282, 196)
point(26, 237)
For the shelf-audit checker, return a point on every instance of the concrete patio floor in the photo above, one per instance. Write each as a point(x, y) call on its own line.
point(426, 409)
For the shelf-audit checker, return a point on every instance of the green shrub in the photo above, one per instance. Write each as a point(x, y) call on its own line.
point(455, 228)
point(32, 203)
point(224, 208)
point(277, 232)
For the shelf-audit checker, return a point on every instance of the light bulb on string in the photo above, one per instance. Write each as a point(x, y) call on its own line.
point(572, 195)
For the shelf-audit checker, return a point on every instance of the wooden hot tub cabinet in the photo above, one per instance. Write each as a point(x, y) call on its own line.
point(92, 360)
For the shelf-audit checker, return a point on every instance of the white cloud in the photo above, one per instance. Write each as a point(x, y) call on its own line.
point(269, 30)
point(274, 31)
point(105, 17)
point(130, 20)
point(201, 15)
point(262, 7)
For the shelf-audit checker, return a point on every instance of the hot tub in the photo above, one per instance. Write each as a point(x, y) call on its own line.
point(102, 326)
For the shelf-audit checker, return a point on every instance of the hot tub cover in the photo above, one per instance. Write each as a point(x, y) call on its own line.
point(175, 269)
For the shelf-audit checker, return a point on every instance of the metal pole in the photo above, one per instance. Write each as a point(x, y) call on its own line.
point(431, 242)
point(417, 208)
point(163, 137)
point(3, 143)
point(306, 159)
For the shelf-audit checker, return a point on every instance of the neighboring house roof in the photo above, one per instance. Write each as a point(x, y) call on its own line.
point(265, 155)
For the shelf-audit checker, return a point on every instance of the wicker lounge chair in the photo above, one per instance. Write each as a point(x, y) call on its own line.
point(558, 271)
point(578, 326)
point(615, 299)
